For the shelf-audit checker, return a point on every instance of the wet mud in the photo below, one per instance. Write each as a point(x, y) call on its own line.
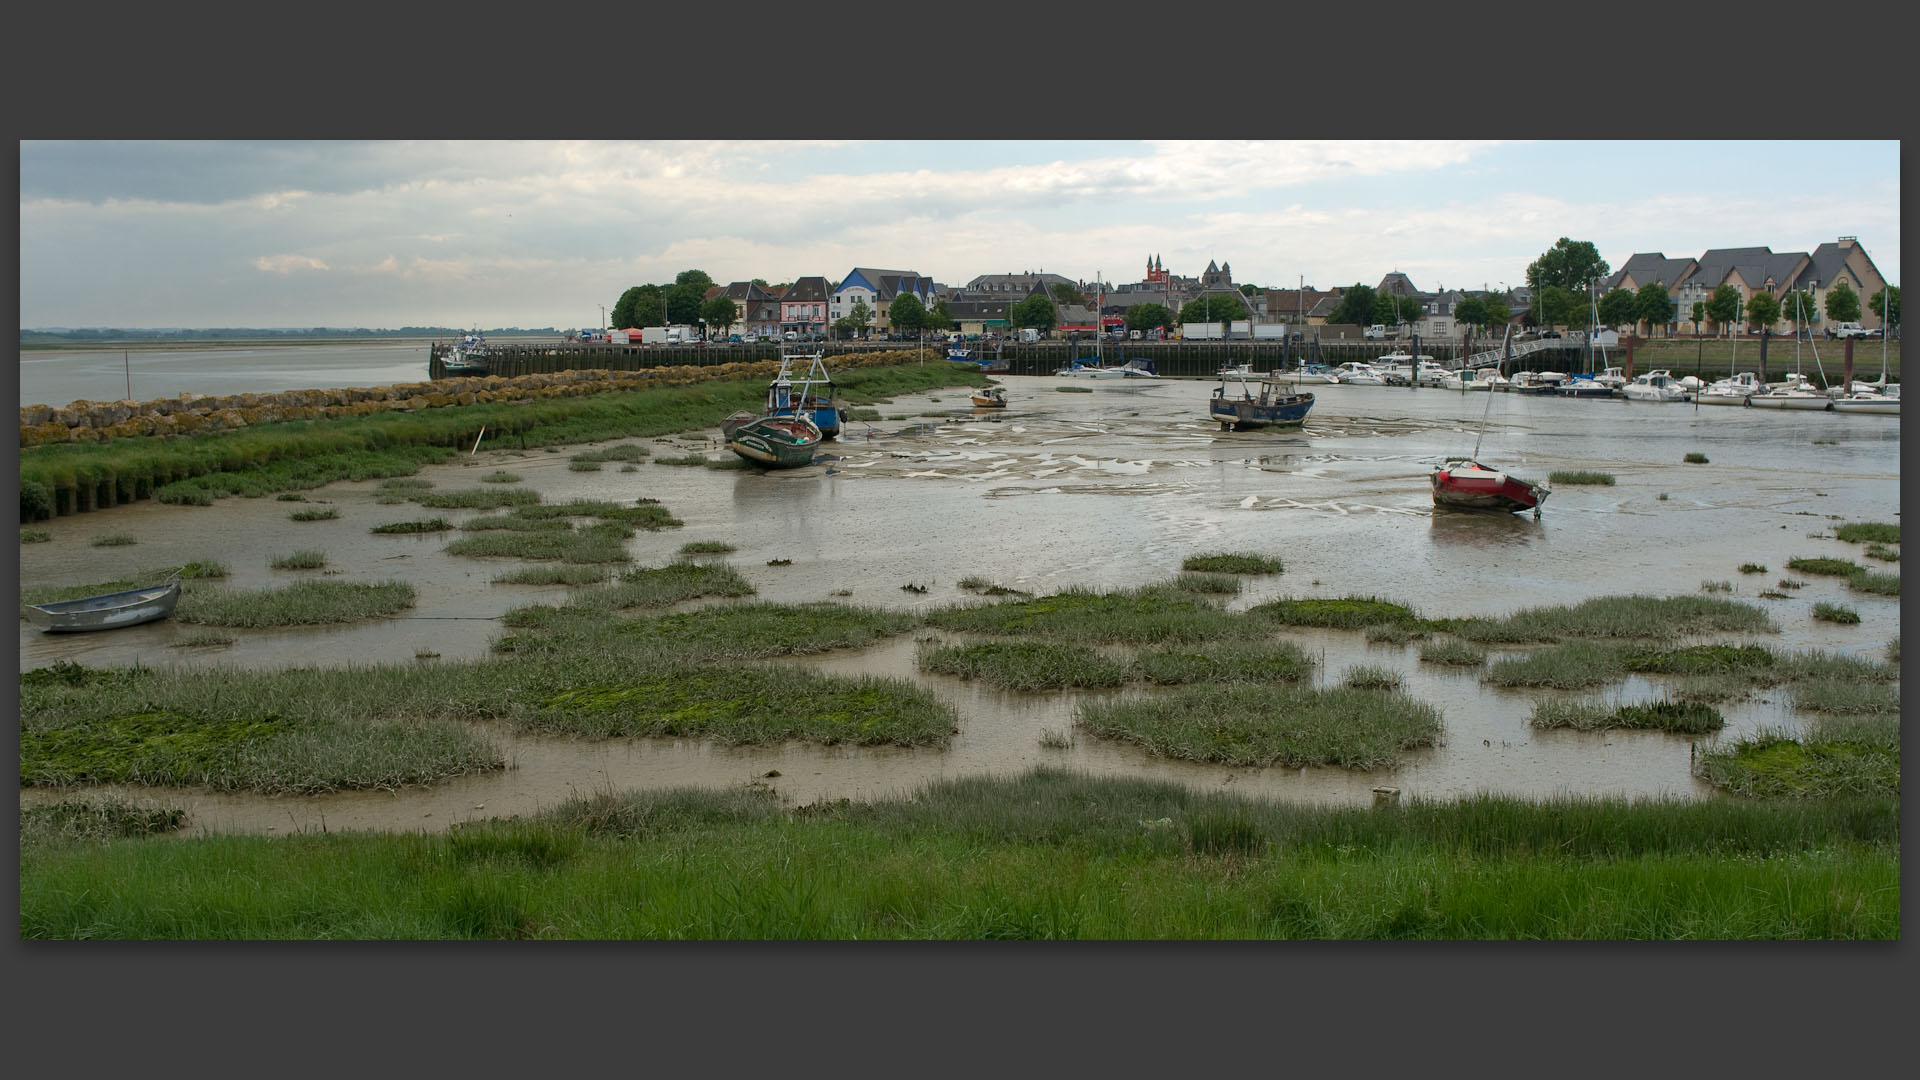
point(1104, 490)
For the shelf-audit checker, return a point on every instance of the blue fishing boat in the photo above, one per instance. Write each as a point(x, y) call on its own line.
point(468, 357)
point(1276, 404)
point(810, 396)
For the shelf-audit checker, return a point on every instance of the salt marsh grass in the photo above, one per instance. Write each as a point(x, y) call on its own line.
point(305, 559)
point(708, 547)
point(1856, 532)
point(501, 476)
point(1261, 725)
point(1208, 584)
point(188, 572)
point(326, 513)
point(752, 704)
point(1846, 696)
point(562, 574)
point(202, 639)
point(1835, 613)
point(477, 498)
point(1146, 616)
point(1752, 568)
point(1580, 477)
point(1394, 634)
point(1225, 662)
point(733, 631)
point(35, 536)
point(402, 528)
point(1024, 665)
point(405, 484)
point(1576, 665)
point(1825, 567)
point(96, 819)
point(1371, 677)
point(1678, 717)
point(1616, 617)
point(578, 465)
point(681, 459)
point(1839, 758)
point(306, 603)
point(1453, 652)
point(986, 587)
point(1878, 584)
point(1695, 458)
point(1883, 553)
point(1232, 562)
point(616, 452)
point(1345, 613)
point(113, 540)
point(603, 542)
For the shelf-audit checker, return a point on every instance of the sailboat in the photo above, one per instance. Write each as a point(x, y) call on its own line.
point(1881, 398)
point(1469, 485)
point(1798, 392)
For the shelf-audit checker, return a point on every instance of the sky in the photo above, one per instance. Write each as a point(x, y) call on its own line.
point(492, 234)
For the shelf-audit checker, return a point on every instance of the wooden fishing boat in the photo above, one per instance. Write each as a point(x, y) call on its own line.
point(773, 442)
point(1275, 405)
point(989, 397)
point(810, 396)
point(109, 611)
point(469, 357)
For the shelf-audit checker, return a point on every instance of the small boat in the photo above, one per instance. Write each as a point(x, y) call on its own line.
point(989, 397)
point(1796, 392)
point(1357, 373)
point(468, 357)
point(1470, 379)
point(1276, 404)
point(773, 442)
point(1465, 484)
point(1469, 485)
point(106, 612)
point(1882, 404)
point(1654, 386)
point(1395, 367)
point(813, 396)
point(1580, 386)
point(1732, 390)
point(1613, 378)
point(1530, 382)
point(1138, 368)
point(1238, 371)
point(1079, 370)
point(1427, 372)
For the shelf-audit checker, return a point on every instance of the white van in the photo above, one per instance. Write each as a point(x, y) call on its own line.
point(1029, 335)
point(1376, 332)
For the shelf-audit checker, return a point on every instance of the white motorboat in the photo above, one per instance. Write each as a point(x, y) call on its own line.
point(1733, 390)
point(1654, 386)
point(1470, 379)
point(1797, 392)
point(1613, 378)
point(1882, 404)
point(1358, 373)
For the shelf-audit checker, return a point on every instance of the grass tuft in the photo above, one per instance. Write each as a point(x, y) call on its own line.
point(1695, 458)
point(1835, 613)
point(299, 560)
point(327, 513)
point(1233, 562)
point(1578, 477)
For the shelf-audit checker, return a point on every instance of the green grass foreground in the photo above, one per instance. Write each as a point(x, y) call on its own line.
point(1048, 855)
point(1259, 725)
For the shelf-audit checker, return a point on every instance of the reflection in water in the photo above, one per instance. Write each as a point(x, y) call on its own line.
point(1345, 505)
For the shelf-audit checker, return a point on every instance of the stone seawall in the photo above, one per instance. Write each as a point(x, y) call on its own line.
point(189, 414)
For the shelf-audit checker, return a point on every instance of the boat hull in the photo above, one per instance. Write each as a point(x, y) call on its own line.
point(1708, 397)
point(1808, 402)
point(775, 442)
point(824, 414)
point(1477, 488)
point(989, 401)
point(1878, 406)
point(107, 612)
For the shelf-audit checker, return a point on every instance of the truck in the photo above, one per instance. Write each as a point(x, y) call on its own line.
point(1846, 330)
point(1269, 331)
point(1376, 332)
point(655, 335)
point(1201, 331)
point(1240, 329)
point(1029, 335)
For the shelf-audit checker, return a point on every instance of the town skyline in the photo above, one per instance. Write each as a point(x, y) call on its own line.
point(370, 234)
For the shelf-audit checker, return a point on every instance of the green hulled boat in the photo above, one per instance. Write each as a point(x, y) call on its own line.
point(772, 442)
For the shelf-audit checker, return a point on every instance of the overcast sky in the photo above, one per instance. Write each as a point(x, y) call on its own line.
point(387, 234)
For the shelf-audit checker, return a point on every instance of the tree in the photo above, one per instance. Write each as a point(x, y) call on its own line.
point(1654, 305)
point(720, 312)
point(760, 281)
point(1616, 307)
point(1248, 290)
point(1561, 307)
point(1212, 308)
point(694, 277)
point(1699, 315)
point(1067, 294)
point(1355, 307)
point(1800, 307)
point(1149, 317)
point(1762, 310)
point(1568, 264)
point(1886, 304)
point(938, 317)
point(1035, 311)
point(1724, 305)
point(626, 309)
point(1401, 309)
point(907, 314)
point(1843, 304)
point(1498, 313)
point(860, 316)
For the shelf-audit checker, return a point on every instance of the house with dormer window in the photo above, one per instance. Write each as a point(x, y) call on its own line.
point(877, 289)
point(803, 307)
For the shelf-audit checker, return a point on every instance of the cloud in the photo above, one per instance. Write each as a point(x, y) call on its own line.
point(287, 264)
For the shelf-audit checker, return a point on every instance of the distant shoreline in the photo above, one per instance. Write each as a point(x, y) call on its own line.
point(178, 344)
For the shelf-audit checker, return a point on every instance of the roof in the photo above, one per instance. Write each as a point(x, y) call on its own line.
point(1398, 284)
point(1755, 265)
point(1649, 268)
point(807, 289)
point(1827, 263)
point(1011, 282)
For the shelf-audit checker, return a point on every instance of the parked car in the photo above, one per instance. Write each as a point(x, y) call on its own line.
point(1549, 333)
point(1846, 330)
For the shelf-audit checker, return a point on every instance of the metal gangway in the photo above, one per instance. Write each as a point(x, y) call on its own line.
point(1498, 353)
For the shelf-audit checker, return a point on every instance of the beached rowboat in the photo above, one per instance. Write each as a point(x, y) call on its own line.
point(106, 612)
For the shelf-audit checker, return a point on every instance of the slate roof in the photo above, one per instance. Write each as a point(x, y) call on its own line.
point(807, 290)
point(1398, 284)
point(1648, 267)
point(1755, 264)
point(1826, 265)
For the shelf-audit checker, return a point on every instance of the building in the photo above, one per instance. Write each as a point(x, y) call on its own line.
point(758, 308)
point(878, 289)
point(1752, 270)
point(803, 307)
